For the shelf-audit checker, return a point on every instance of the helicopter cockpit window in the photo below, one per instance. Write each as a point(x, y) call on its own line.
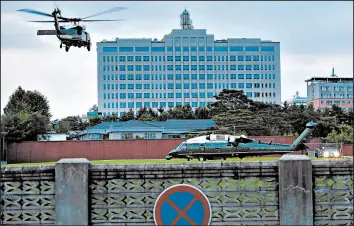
point(181, 146)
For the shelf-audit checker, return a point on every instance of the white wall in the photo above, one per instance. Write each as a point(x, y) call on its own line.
point(118, 135)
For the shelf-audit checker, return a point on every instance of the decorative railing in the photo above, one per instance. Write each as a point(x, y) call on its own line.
point(27, 195)
point(74, 192)
point(333, 192)
point(237, 192)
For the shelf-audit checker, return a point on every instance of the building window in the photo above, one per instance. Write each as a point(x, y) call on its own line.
point(149, 136)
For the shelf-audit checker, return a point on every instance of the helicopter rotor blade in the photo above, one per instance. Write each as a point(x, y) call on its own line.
point(115, 9)
point(102, 20)
point(41, 21)
point(47, 21)
point(35, 12)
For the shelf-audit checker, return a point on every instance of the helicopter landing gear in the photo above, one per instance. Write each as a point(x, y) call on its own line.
point(67, 48)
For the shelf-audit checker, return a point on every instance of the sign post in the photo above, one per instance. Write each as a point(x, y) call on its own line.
point(182, 204)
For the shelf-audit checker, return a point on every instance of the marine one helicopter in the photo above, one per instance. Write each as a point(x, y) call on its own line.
point(223, 146)
point(75, 35)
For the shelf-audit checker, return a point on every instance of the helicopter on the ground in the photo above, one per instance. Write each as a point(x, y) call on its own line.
point(223, 146)
point(76, 35)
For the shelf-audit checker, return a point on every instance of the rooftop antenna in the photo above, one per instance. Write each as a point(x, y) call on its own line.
point(186, 22)
point(333, 74)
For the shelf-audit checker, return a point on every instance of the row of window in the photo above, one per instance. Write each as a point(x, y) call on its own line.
point(123, 77)
point(176, 95)
point(187, 58)
point(187, 49)
point(155, 104)
point(337, 102)
point(188, 86)
point(341, 95)
point(255, 67)
point(336, 88)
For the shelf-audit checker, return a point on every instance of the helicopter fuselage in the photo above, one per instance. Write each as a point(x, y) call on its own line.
point(74, 37)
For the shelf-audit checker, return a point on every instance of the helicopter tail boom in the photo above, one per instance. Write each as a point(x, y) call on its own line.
point(298, 143)
point(47, 32)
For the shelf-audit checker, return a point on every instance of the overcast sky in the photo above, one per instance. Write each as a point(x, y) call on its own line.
point(313, 37)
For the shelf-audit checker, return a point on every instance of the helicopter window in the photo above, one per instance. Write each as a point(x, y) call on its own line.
point(181, 146)
point(193, 146)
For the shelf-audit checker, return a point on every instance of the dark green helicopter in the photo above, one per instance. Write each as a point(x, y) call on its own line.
point(76, 35)
point(224, 146)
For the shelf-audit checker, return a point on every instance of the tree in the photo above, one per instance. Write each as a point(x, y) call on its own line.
point(71, 123)
point(230, 100)
point(26, 115)
point(34, 100)
point(202, 113)
point(343, 135)
point(181, 112)
point(94, 108)
point(163, 116)
point(127, 116)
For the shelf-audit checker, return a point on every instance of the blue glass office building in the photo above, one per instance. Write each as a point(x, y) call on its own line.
point(186, 67)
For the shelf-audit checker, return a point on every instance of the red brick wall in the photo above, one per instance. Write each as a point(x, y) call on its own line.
point(347, 150)
point(39, 151)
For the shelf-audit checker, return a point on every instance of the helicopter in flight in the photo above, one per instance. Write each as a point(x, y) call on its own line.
point(74, 35)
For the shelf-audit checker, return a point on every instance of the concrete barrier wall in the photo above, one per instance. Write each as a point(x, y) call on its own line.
point(33, 152)
point(292, 191)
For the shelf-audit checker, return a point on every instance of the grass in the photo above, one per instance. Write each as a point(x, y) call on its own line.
point(143, 161)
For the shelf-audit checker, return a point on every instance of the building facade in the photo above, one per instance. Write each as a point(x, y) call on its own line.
point(297, 100)
point(323, 92)
point(188, 66)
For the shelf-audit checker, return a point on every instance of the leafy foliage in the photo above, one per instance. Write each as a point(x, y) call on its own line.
point(71, 123)
point(26, 115)
point(344, 134)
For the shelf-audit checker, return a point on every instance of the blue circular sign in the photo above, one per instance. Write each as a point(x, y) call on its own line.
point(182, 204)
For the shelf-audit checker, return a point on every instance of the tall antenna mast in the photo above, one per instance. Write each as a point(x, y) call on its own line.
point(186, 22)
